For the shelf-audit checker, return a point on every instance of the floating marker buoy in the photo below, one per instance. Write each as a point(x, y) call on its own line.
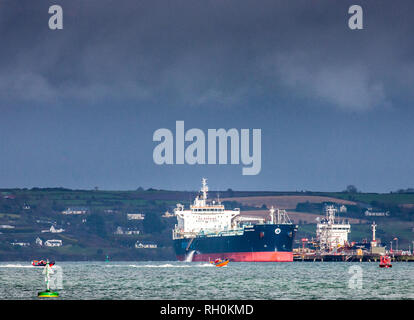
point(48, 294)
point(385, 262)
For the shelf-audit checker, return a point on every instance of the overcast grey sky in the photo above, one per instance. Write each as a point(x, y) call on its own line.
point(79, 106)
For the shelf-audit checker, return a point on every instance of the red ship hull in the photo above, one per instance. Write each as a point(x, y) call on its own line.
point(267, 256)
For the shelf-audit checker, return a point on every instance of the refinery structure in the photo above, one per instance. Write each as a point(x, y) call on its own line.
point(332, 244)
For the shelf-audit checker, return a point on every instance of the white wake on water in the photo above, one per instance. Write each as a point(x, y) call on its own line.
point(189, 256)
point(15, 266)
point(167, 265)
point(171, 266)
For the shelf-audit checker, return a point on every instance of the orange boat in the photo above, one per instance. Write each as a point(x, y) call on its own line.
point(41, 263)
point(220, 263)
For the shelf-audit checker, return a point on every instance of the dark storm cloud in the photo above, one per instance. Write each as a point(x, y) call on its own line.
point(220, 53)
point(79, 106)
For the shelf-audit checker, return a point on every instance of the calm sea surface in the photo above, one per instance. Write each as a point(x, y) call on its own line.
point(195, 280)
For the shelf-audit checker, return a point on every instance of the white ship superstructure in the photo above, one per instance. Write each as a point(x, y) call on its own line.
point(331, 234)
point(203, 216)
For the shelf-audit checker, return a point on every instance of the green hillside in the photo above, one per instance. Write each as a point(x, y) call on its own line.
point(27, 214)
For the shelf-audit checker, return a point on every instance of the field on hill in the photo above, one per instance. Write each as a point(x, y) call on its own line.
point(104, 228)
point(387, 198)
point(298, 217)
point(285, 201)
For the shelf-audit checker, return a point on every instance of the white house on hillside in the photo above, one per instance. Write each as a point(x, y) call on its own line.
point(21, 244)
point(140, 245)
point(39, 241)
point(53, 243)
point(76, 210)
point(54, 230)
point(370, 213)
point(6, 226)
point(135, 216)
point(131, 231)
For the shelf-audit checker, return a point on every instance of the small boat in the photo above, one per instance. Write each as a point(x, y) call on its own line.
point(385, 262)
point(41, 263)
point(220, 263)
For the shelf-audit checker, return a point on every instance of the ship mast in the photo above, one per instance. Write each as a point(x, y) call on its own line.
point(204, 189)
point(330, 214)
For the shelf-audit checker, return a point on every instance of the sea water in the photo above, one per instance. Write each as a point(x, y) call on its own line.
point(198, 280)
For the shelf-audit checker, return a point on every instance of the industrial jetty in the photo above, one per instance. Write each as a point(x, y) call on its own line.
point(331, 244)
point(207, 231)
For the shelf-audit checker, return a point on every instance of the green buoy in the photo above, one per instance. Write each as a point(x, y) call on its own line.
point(48, 294)
point(47, 271)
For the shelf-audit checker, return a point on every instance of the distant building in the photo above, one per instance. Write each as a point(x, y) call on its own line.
point(111, 211)
point(21, 244)
point(370, 213)
point(119, 230)
point(131, 231)
point(54, 230)
point(45, 222)
point(6, 226)
point(167, 214)
point(76, 210)
point(135, 216)
point(378, 250)
point(53, 243)
point(39, 241)
point(140, 245)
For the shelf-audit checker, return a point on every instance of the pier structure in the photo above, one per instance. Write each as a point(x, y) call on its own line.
point(348, 257)
point(331, 244)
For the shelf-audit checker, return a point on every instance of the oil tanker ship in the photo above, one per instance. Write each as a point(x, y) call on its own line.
point(207, 231)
